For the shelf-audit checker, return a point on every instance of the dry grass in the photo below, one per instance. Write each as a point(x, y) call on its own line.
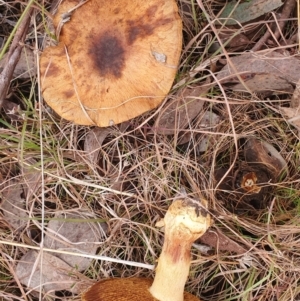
point(138, 172)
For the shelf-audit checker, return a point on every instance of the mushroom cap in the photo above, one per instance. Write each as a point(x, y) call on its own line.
point(249, 181)
point(261, 153)
point(114, 61)
point(123, 289)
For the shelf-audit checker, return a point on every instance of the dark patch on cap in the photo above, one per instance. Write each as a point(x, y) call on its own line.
point(69, 93)
point(198, 206)
point(78, 63)
point(52, 70)
point(66, 77)
point(118, 22)
point(108, 55)
point(150, 12)
point(145, 25)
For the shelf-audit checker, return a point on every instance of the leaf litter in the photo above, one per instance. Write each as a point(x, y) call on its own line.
point(35, 269)
point(267, 84)
point(13, 204)
point(178, 113)
point(93, 142)
point(242, 12)
point(26, 66)
point(61, 271)
point(264, 62)
point(267, 73)
point(60, 235)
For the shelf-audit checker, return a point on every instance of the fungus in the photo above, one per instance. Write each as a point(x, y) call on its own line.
point(251, 185)
point(249, 181)
point(261, 153)
point(185, 221)
point(114, 60)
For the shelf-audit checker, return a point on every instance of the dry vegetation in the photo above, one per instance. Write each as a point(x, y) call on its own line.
point(128, 176)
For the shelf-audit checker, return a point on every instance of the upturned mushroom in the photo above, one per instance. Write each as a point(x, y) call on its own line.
point(185, 221)
point(114, 60)
point(262, 154)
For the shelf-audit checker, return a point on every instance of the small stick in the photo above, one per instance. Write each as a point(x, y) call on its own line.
point(13, 57)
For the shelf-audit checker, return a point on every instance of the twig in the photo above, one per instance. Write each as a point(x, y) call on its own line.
point(262, 41)
point(288, 7)
point(13, 56)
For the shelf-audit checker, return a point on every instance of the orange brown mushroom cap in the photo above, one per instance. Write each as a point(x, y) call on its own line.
point(125, 289)
point(115, 60)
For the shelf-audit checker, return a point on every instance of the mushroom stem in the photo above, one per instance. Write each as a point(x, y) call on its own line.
point(184, 223)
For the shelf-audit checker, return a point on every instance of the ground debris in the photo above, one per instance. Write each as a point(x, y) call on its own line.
point(235, 12)
point(55, 274)
point(179, 112)
point(93, 142)
point(220, 242)
point(26, 66)
point(13, 205)
point(89, 232)
point(247, 65)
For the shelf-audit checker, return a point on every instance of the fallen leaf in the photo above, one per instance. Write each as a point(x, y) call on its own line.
point(237, 12)
point(265, 83)
point(178, 113)
point(220, 242)
point(55, 275)
point(60, 235)
point(93, 142)
point(13, 205)
point(264, 62)
point(235, 41)
point(32, 176)
point(208, 122)
point(26, 66)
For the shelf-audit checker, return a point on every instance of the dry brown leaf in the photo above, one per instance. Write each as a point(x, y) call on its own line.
point(219, 241)
point(55, 275)
point(266, 62)
point(13, 205)
point(178, 113)
point(265, 83)
point(60, 235)
point(208, 122)
point(93, 142)
point(236, 12)
point(237, 42)
point(232, 40)
point(26, 66)
point(32, 177)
